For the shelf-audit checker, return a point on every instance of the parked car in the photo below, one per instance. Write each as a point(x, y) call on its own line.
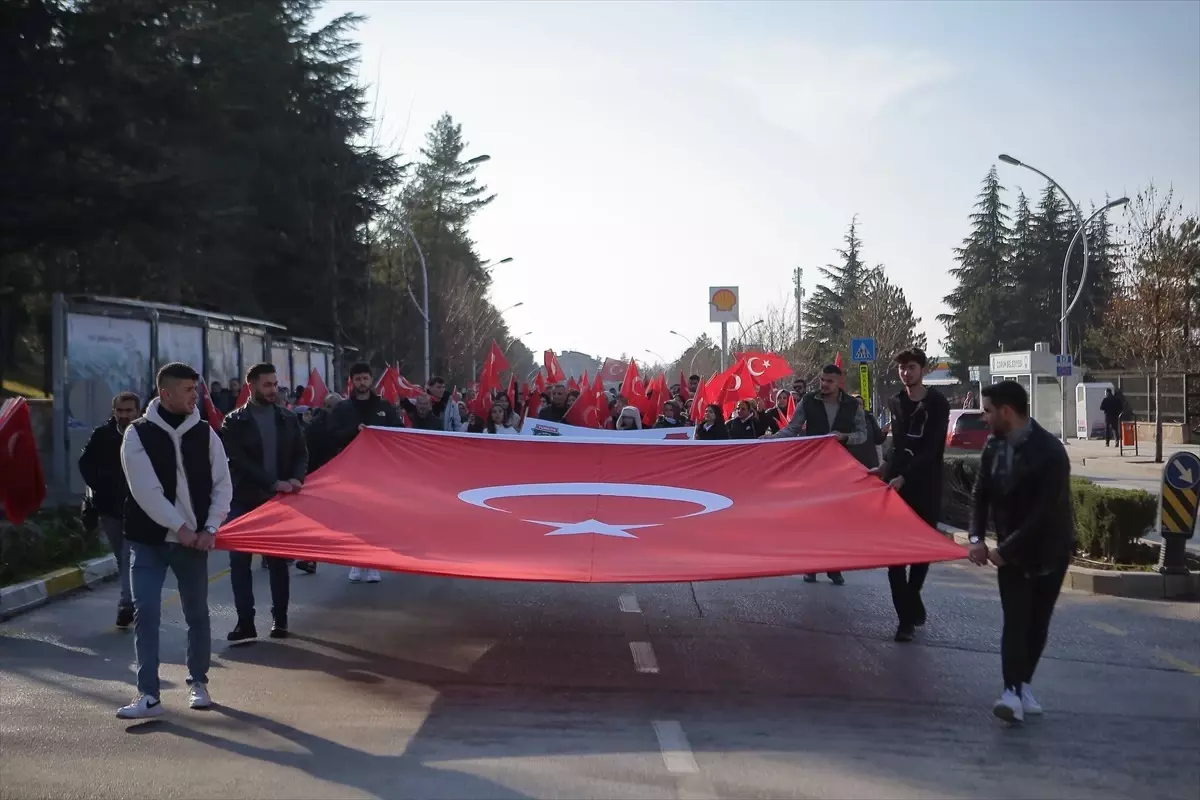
point(967, 430)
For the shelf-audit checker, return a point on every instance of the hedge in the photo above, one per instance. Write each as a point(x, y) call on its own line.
point(50, 539)
point(1108, 522)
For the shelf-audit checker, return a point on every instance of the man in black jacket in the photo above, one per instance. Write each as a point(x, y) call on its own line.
point(362, 409)
point(100, 466)
point(920, 416)
point(1110, 407)
point(1024, 482)
point(267, 457)
point(557, 408)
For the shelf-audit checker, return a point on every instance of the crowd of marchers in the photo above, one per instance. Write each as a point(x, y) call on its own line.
point(164, 478)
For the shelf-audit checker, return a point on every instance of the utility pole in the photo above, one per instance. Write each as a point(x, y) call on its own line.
point(798, 279)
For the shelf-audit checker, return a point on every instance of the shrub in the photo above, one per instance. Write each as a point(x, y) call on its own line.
point(50, 539)
point(1108, 522)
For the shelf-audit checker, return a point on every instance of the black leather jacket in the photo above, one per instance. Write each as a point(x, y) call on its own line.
point(1030, 504)
point(243, 445)
point(100, 466)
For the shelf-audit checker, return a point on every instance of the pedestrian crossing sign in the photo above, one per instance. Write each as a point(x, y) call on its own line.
point(862, 350)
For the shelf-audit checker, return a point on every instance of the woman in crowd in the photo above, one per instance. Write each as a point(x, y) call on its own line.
point(712, 426)
point(630, 419)
point(744, 424)
point(498, 420)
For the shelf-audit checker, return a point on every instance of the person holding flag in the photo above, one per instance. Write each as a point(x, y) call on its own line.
point(362, 408)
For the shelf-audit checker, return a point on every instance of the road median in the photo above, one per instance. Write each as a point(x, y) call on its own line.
point(27, 595)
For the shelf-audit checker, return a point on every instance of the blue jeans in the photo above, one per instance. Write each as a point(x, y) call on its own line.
point(148, 571)
point(112, 528)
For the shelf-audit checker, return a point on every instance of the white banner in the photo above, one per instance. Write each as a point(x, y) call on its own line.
point(539, 427)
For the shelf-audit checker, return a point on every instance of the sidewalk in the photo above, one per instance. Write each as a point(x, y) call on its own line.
point(1093, 453)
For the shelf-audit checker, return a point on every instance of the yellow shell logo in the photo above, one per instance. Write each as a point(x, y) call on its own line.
point(724, 300)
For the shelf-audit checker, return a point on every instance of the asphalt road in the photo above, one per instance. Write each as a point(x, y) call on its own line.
point(425, 687)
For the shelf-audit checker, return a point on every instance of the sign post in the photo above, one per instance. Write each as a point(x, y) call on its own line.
point(864, 385)
point(1177, 504)
point(723, 308)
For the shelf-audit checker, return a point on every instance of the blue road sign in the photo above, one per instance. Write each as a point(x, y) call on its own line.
point(862, 350)
point(1182, 471)
point(1063, 364)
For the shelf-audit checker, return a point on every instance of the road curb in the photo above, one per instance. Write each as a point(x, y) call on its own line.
point(1138, 585)
point(1130, 470)
point(22, 597)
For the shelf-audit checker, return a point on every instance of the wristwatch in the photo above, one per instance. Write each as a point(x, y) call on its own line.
point(974, 539)
point(210, 530)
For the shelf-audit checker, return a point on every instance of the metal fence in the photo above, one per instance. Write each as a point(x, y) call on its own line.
point(1179, 395)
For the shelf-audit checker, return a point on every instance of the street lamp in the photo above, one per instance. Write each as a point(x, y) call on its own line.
point(490, 265)
point(470, 162)
point(422, 307)
point(692, 363)
point(690, 342)
point(498, 315)
point(753, 325)
point(516, 339)
point(1062, 320)
point(661, 359)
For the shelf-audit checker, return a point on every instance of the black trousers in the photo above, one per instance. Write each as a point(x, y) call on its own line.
point(1112, 430)
point(242, 578)
point(906, 583)
point(1028, 603)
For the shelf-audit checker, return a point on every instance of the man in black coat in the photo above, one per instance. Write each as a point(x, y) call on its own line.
point(100, 466)
point(557, 408)
point(920, 416)
point(1023, 484)
point(361, 409)
point(268, 457)
point(1110, 407)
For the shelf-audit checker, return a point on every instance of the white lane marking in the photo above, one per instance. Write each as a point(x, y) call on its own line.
point(629, 604)
point(673, 742)
point(643, 657)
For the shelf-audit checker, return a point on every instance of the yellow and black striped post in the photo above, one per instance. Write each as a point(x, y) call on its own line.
point(1177, 505)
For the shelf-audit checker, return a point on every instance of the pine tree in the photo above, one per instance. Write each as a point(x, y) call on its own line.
point(1022, 267)
point(1053, 227)
point(1088, 315)
point(884, 313)
point(825, 316)
point(979, 301)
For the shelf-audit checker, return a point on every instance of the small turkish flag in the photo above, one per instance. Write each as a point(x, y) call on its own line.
point(495, 364)
point(315, 391)
point(554, 371)
point(629, 384)
point(684, 395)
point(613, 370)
point(211, 414)
point(22, 484)
point(243, 396)
point(765, 368)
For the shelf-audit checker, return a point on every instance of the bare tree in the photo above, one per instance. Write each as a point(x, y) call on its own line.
point(884, 313)
point(1151, 321)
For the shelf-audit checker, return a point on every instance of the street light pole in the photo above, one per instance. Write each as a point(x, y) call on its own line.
point(1062, 327)
point(498, 315)
point(515, 339)
point(423, 307)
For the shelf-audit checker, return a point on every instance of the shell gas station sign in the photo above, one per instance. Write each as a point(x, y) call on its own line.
point(723, 304)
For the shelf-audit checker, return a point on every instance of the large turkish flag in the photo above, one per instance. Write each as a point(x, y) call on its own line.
point(591, 510)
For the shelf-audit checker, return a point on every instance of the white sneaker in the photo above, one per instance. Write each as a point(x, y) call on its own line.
point(1029, 703)
point(1008, 707)
point(356, 574)
point(145, 707)
point(198, 696)
point(373, 576)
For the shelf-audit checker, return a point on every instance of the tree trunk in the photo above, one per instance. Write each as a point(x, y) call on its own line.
point(1158, 430)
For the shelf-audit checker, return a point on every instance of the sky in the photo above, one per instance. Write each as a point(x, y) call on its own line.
point(642, 152)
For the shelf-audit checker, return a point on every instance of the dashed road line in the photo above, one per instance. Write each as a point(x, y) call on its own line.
point(1104, 626)
point(643, 657)
point(629, 604)
point(676, 751)
point(1178, 663)
point(174, 598)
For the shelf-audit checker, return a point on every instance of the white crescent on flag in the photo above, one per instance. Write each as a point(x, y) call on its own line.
point(757, 372)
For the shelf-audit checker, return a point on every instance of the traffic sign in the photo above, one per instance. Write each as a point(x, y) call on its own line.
point(1179, 498)
point(864, 385)
point(862, 350)
point(1063, 362)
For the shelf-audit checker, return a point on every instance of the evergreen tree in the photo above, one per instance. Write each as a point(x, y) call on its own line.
point(825, 316)
point(1088, 315)
point(979, 301)
point(884, 313)
point(1053, 226)
point(1022, 266)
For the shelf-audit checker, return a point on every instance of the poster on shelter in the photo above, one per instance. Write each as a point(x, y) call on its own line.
point(105, 355)
point(177, 342)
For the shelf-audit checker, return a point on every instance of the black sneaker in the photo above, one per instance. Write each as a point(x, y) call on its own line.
point(279, 630)
point(307, 566)
point(124, 616)
point(904, 633)
point(244, 631)
point(810, 578)
point(837, 579)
